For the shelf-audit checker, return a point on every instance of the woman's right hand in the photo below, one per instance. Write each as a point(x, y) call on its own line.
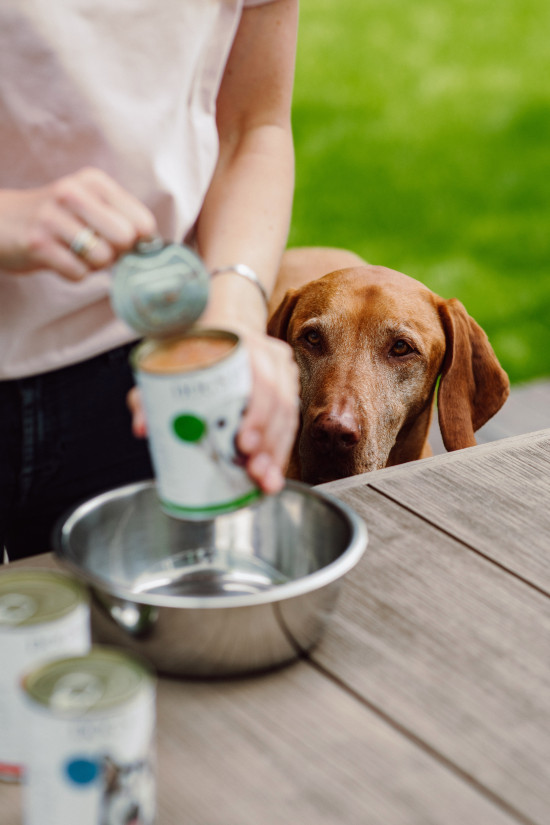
point(269, 426)
point(77, 224)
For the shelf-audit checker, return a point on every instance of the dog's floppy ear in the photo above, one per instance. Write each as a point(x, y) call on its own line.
point(473, 385)
point(277, 326)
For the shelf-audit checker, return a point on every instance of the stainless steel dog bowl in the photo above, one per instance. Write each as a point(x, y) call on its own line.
point(246, 591)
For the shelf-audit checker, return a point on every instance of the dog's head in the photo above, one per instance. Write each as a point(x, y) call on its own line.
point(370, 344)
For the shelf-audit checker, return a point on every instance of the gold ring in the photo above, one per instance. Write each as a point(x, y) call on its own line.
point(83, 242)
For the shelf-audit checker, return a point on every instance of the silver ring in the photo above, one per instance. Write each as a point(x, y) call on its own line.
point(83, 242)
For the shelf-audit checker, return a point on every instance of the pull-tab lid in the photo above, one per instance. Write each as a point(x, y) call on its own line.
point(30, 597)
point(79, 685)
point(160, 289)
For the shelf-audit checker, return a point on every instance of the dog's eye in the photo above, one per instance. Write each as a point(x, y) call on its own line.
point(401, 348)
point(312, 337)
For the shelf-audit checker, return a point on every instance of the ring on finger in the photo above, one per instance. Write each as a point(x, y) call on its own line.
point(84, 242)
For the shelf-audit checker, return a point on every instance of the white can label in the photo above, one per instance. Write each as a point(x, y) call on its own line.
point(193, 419)
point(93, 769)
point(22, 648)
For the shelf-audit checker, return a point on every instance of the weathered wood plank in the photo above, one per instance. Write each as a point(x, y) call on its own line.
point(498, 501)
point(292, 746)
point(450, 646)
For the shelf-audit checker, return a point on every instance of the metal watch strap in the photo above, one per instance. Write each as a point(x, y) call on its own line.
point(246, 272)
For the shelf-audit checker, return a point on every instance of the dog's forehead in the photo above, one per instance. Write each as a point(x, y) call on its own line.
point(376, 289)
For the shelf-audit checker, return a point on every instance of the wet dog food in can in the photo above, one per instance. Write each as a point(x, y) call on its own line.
point(195, 389)
point(90, 729)
point(43, 615)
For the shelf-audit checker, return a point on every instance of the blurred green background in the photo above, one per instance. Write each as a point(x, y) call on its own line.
point(422, 137)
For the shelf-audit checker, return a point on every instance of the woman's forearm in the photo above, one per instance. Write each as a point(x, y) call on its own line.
point(245, 219)
point(246, 213)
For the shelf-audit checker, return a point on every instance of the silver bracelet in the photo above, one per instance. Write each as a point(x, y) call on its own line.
point(246, 272)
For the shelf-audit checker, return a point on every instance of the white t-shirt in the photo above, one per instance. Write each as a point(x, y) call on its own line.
point(128, 86)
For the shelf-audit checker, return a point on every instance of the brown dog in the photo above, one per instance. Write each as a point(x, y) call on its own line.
point(370, 344)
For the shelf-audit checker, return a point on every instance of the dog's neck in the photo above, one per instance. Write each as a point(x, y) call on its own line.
point(412, 441)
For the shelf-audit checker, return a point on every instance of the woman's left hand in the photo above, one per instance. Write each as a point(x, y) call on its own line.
point(269, 426)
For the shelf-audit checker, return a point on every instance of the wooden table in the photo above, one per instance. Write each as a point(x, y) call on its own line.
point(428, 699)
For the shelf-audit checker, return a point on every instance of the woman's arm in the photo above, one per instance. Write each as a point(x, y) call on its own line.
point(245, 219)
point(246, 213)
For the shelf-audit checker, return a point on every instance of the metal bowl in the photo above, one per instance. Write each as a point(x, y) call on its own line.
point(244, 592)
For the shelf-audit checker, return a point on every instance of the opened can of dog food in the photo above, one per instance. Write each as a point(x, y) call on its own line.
point(90, 734)
point(43, 615)
point(195, 389)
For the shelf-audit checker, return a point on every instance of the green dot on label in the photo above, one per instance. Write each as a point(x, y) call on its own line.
point(189, 427)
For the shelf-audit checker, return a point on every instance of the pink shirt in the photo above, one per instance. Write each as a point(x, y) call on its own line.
point(125, 85)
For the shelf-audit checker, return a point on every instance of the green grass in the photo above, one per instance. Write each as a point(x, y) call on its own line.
point(422, 137)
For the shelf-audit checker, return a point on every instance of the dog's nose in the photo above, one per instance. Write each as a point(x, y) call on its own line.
point(335, 431)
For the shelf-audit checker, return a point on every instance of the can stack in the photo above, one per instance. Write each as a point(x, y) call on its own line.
point(43, 614)
point(90, 754)
point(77, 720)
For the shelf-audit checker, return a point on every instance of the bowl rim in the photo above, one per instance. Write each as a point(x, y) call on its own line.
point(326, 575)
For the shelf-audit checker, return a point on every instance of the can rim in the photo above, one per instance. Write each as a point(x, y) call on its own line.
point(37, 576)
point(100, 656)
point(149, 345)
point(331, 573)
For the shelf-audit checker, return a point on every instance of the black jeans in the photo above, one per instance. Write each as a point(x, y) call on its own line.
point(64, 436)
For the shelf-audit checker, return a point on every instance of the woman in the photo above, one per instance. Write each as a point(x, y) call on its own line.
point(118, 122)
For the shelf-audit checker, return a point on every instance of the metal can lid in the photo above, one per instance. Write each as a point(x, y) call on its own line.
point(102, 679)
point(30, 597)
point(160, 289)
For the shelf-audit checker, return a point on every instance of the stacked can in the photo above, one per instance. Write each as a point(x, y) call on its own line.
point(90, 741)
point(195, 384)
point(43, 614)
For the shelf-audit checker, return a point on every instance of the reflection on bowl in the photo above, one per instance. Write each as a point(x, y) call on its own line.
point(243, 592)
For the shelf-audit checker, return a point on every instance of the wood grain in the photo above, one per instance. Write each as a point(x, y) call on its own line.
point(497, 501)
point(451, 648)
point(291, 746)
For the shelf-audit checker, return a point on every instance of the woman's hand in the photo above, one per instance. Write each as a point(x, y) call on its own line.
point(77, 224)
point(270, 423)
